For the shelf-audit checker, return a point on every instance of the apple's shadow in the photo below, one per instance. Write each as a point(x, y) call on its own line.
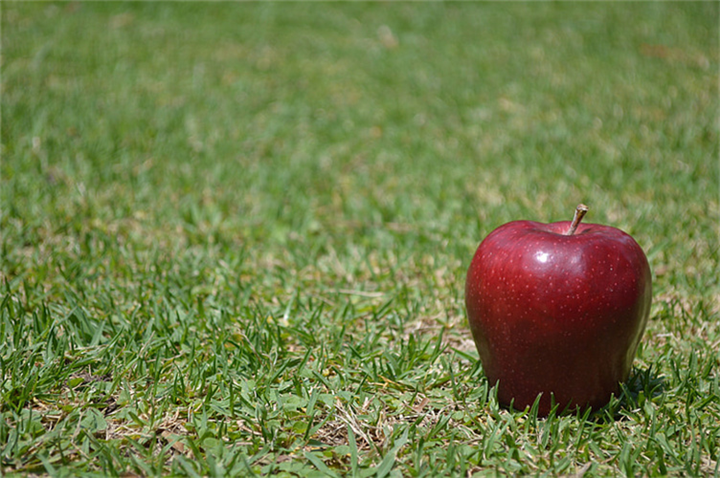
point(642, 385)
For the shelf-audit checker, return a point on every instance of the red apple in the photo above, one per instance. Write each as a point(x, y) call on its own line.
point(558, 310)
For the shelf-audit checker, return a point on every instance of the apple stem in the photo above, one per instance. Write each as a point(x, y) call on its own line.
point(580, 212)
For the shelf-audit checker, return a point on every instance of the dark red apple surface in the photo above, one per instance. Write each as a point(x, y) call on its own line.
point(557, 310)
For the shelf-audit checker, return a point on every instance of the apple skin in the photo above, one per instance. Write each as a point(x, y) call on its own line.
point(557, 314)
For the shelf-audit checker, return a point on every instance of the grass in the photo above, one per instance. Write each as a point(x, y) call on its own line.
point(234, 236)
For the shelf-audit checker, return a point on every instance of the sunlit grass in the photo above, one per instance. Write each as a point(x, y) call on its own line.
point(234, 236)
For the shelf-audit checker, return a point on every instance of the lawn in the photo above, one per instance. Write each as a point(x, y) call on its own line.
point(235, 235)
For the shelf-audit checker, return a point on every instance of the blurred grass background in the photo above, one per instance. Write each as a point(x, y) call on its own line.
point(328, 164)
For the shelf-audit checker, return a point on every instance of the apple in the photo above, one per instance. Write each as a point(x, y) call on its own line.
point(557, 311)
